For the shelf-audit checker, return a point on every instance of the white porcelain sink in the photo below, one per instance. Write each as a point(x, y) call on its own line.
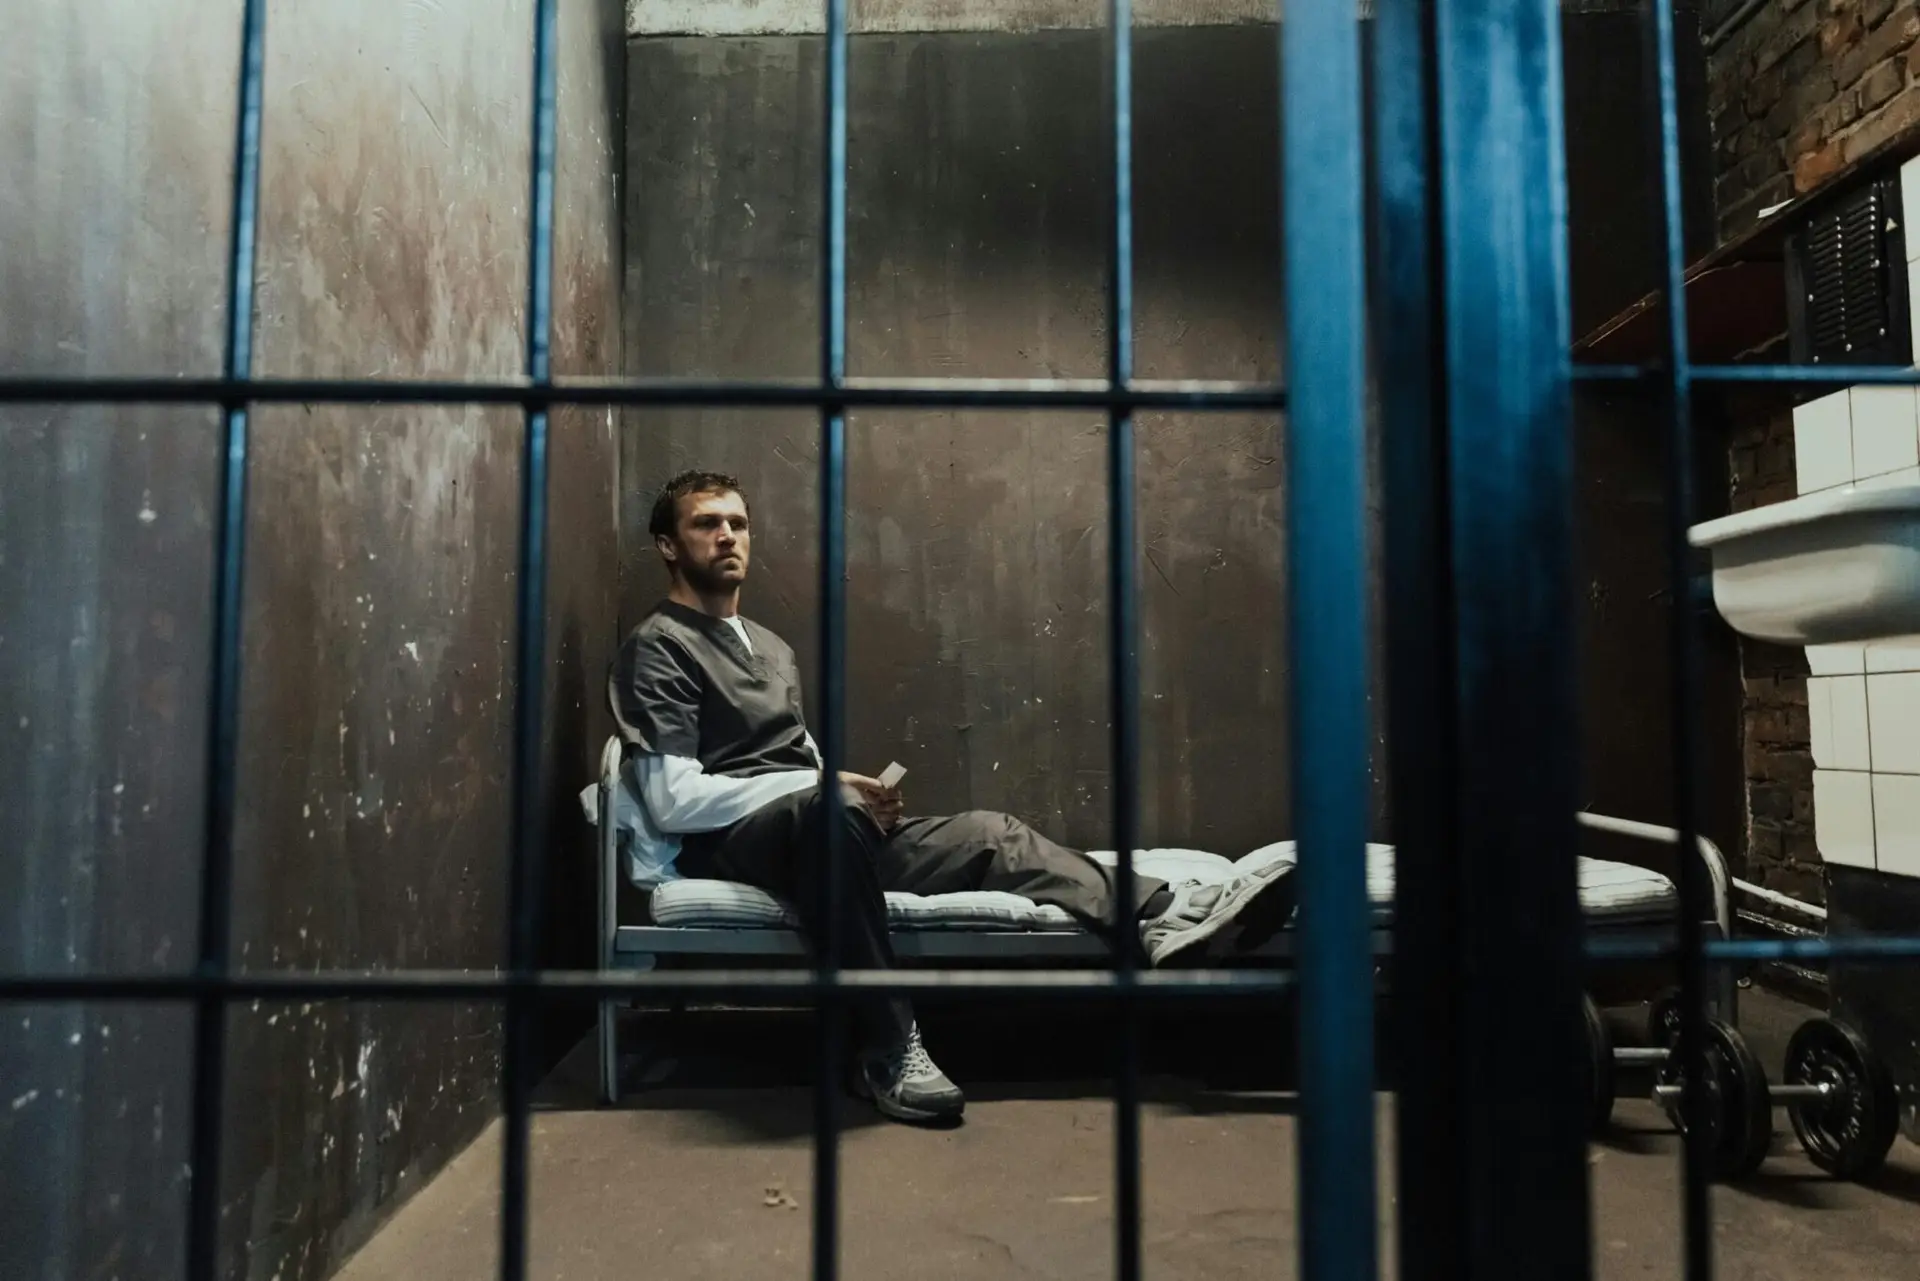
point(1838, 566)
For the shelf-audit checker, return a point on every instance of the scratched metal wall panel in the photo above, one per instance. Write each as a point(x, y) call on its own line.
point(379, 608)
point(583, 582)
point(382, 584)
point(379, 623)
point(115, 127)
point(978, 213)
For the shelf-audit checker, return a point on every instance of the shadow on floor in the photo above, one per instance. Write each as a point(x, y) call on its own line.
point(747, 1073)
point(751, 1070)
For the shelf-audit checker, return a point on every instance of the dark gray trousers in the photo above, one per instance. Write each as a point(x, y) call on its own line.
point(778, 849)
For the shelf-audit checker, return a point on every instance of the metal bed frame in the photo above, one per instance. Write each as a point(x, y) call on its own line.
point(637, 948)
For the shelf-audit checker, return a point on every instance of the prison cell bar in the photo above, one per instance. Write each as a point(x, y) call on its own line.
point(1499, 187)
point(831, 1015)
point(527, 864)
point(1683, 659)
point(1432, 1219)
point(215, 960)
point(1322, 231)
point(1123, 621)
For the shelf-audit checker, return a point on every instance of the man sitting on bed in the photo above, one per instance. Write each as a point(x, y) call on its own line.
point(725, 766)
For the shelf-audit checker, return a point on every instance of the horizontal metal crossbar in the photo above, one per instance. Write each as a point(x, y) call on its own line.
point(759, 984)
point(1839, 375)
point(1858, 950)
point(1088, 984)
point(1613, 373)
point(1205, 395)
point(1794, 375)
point(852, 393)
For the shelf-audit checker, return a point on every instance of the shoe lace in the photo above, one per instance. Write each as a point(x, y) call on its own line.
point(910, 1057)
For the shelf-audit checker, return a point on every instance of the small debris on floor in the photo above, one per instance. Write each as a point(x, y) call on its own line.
point(778, 1196)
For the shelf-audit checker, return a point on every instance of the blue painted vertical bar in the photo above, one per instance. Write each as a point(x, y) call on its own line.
point(1323, 233)
point(1123, 605)
point(833, 629)
point(527, 863)
point(1432, 1215)
point(1503, 221)
point(1684, 666)
point(223, 724)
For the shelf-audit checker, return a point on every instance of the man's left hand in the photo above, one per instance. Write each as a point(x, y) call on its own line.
point(884, 803)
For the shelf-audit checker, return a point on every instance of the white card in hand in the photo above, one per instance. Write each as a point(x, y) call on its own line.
point(892, 774)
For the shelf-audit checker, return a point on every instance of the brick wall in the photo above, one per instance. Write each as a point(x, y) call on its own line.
point(1803, 88)
point(1799, 92)
point(1774, 732)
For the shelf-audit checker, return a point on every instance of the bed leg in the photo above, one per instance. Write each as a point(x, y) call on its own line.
point(609, 1048)
point(1723, 981)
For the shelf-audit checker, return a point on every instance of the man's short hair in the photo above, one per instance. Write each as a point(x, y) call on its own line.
point(665, 522)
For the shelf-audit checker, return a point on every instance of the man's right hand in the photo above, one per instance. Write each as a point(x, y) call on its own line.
point(883, 802)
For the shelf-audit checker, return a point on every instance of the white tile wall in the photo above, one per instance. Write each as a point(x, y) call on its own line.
point(1896, 654)
point(1823, 442)
point(1837, 708)
point(1820, 718)
point(1843, 817)
point(1893, 718)
point(1884, 435)
point(1910, 201)
point(1836, 660)
point(1863, 701)
point(1913, 282)
point(1896, 823)
point(1888, 480)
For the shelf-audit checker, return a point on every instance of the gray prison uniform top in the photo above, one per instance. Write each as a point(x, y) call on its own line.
point(685, 685)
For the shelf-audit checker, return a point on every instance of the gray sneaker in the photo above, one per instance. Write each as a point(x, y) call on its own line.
point(905, 1084)
point(1199, 911)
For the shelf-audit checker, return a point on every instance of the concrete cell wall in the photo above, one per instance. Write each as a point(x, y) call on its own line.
point(978, 192)
point(377, 699)
point(978, 186)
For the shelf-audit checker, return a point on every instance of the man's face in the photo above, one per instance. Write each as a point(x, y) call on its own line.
point(713, 543)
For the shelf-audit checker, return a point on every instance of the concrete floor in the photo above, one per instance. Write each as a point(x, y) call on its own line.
point(704, 1172)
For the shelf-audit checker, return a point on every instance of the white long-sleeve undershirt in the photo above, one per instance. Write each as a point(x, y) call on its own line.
point(681, 797)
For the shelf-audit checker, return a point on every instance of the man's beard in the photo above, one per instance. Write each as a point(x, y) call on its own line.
point(706, 580)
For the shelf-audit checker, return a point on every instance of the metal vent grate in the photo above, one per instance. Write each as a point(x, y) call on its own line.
point(1850, 294)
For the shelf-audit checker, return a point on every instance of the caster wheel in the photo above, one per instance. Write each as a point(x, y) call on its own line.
point(1849, 1132)
point(1739, 1111)
point(1600, 1084)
